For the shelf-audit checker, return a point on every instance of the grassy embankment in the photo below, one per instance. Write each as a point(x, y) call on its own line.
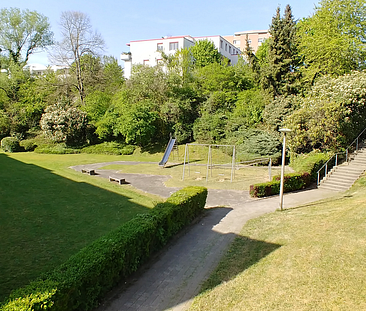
point(309, 258)
point(49, 212)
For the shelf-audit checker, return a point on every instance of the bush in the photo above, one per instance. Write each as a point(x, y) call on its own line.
point(113, 148)
point(84, 278)
point(292, 182)
point(28, 145)
point(10, 144)
point(309, 163)
point(55, 149)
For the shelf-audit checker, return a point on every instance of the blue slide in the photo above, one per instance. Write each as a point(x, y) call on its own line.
point(167, 152)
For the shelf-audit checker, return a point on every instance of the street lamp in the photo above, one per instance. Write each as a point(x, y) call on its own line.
point(284, 131)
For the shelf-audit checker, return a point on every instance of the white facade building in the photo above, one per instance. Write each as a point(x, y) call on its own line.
point(148, 52)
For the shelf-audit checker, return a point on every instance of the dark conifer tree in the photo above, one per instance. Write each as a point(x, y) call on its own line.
point(281, 75)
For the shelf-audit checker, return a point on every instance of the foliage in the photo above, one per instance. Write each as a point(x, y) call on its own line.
point(292, 182)
point(210, 128)
point(109, 148)
point(333, 38)
point(60, 148)
point(331, 115)
point(4, 124)
point(84, 278)
point(64, 124)
point(23, 33)
point(279, 73)
point(10, 144)
point(278, 109)
point(204, 53)
point(309, 163)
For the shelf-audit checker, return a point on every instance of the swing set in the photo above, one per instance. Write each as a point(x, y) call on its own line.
point(210, 164)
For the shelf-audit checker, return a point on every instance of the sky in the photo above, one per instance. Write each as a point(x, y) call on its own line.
point(122, 21)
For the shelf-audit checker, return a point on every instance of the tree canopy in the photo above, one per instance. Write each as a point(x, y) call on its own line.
point(23, 33)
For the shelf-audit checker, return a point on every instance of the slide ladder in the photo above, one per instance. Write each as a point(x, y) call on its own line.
point(168, 151)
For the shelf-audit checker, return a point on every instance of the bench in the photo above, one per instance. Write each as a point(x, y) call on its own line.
point(117, 179)
point(88, 171)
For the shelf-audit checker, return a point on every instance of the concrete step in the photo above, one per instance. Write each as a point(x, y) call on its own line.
point(332, 187)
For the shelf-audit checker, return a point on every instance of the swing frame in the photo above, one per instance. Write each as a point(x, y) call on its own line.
point(209, 164)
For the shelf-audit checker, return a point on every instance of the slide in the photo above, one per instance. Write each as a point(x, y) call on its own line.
point(167, 152)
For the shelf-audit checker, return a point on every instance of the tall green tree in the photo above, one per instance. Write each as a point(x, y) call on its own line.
point(23, 33)
point(333, 39)
point(204, 53)
point(280, 74)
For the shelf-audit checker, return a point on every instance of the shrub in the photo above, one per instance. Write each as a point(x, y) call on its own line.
point(309, 163)
point(28, 145)
point(55, 149)
point(84, 278)
point(10, 144)
point(292, 182)
point(109, 148)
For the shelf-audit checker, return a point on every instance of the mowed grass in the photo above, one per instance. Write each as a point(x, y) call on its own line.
point(309, 258)
point(49, 212)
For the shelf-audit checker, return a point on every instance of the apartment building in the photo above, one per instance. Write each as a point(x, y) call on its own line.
point(255, 38)
point(148, 52)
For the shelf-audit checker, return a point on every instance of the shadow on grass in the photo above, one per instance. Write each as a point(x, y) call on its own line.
point(242, 254)
point(46, 218)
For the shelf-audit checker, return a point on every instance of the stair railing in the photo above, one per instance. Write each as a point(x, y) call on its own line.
point(337, 158)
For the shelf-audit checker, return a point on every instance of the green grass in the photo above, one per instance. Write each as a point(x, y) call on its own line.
point(49, 212)
point(308, 258)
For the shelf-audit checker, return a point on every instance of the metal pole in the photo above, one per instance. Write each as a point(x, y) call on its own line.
point(282, 170)
point(208, 162)
point(232, 165)
point(184, 165)
point(270, 169)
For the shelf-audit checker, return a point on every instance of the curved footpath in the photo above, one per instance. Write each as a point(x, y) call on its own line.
point(173, 278)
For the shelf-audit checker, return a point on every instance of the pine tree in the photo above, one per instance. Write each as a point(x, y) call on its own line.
point(281, 76)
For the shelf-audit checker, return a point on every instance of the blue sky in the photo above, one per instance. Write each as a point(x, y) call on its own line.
point(122, 21)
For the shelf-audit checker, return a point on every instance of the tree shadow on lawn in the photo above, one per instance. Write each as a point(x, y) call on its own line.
point(242, 254)
point(46, 218)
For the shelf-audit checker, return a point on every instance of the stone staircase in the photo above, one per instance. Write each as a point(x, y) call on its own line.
point(343, 176)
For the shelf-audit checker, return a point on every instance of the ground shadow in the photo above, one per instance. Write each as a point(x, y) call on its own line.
point(173, 278)
point(45, 218)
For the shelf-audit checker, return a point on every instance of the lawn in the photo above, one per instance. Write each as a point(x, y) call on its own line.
point(49, 211)
point(308, 258)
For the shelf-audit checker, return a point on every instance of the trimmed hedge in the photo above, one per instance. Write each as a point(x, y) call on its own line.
point(307, 166)
point(292, 182)
point(84, 278)
point(113, 148)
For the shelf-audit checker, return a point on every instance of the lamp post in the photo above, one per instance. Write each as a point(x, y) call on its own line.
point(284, 131)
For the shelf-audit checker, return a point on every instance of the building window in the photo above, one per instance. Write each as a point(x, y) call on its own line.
point(225, 46)
point(260, 40)
point(159, 61)
point(236, 42)
point(160, 47)
point(146, 62)
point(221, 44)
point(229, 49)
point(249, 41)
point(173, 46)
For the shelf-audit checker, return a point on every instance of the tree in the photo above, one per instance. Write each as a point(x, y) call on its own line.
point(23, 33)
point(204, 53)
point(333, 39)
point(280, 75)
point(78, 40)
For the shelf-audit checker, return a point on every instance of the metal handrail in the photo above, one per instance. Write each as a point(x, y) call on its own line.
point(346, 152)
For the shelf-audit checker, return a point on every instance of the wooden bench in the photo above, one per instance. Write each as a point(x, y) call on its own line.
point(117, 179)
point(88, 171)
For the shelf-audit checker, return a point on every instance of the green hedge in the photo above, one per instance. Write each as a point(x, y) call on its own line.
point(113, 148)
point(84, 278)
point(307, 167)
point(292, 182)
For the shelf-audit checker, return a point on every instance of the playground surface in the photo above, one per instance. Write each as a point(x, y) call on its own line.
point(173, 278)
